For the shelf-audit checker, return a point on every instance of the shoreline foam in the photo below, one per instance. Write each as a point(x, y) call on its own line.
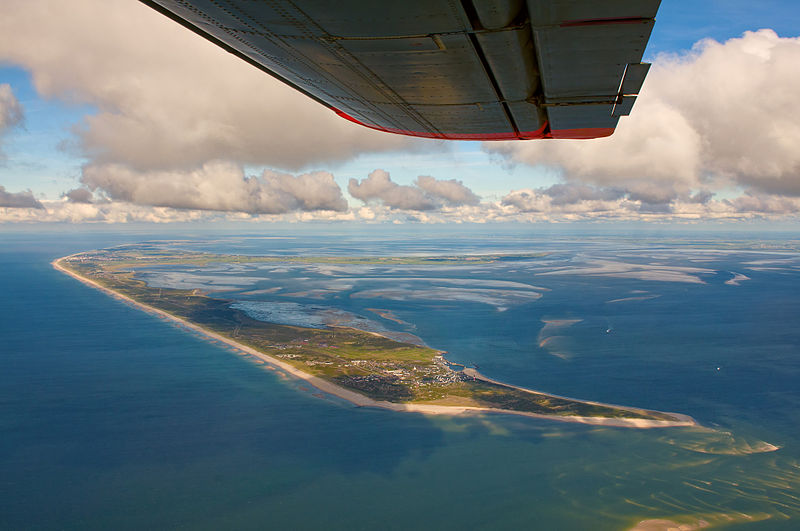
point(364, 401)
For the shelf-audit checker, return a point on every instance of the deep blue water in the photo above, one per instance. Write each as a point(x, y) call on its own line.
point(112, 418)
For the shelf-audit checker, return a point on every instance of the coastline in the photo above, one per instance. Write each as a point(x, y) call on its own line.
point(684, 418)
point(363, 401)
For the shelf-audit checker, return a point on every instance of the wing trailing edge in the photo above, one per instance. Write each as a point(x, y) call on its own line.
point(446, 69)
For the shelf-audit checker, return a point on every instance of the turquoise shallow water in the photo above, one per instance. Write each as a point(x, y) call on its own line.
point(112, 418)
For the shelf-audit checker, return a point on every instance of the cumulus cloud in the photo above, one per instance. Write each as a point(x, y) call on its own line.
point(570, 199)
point(701, 196)
point(765, 204)
point(166, 98)
point(564, 194)
point(18, 200)
point(217, 185)
point(450, 191)
point(378, 186)
point(721, 114)
point(79, 195)
point(426, 194)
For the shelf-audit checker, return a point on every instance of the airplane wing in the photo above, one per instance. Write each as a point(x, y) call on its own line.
point(449, 69)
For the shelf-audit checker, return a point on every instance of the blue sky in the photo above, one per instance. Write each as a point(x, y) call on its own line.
point(681, 23)
point(44, 154)
point(38, 153)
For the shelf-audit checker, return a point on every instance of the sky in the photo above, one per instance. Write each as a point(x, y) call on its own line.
point(112, 113)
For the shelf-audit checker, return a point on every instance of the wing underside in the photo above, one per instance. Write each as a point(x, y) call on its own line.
point(450, 69)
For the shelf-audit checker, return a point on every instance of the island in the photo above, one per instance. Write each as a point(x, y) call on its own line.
point(362, 367)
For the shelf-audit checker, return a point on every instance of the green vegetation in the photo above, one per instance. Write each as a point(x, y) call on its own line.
point(375, 366)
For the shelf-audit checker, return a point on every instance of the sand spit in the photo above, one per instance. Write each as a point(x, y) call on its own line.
point(363, 401)
point(389, 315)
point(668, 525)
point(683, 420)
point(699, 521)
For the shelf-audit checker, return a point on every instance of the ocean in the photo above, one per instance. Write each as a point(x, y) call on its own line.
point(114, 418)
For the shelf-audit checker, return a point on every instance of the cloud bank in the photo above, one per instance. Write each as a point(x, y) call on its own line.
point(217, 185)
point(723, 114)
point(578, 202)
point(528, 205)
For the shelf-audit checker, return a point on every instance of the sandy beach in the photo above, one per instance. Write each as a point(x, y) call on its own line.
point(363, 401)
